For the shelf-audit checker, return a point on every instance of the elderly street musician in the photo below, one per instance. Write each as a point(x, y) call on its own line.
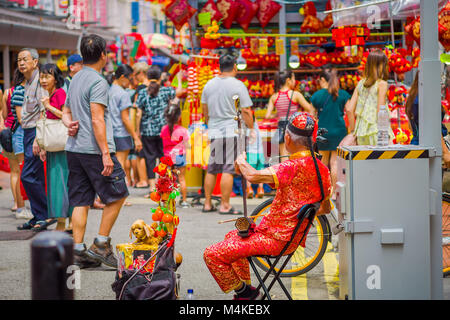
point(298, 183)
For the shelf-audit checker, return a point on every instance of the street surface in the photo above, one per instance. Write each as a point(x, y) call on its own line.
point(197, 230)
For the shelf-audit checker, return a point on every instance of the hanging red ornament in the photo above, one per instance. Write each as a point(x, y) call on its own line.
point(247, 10)
point(267, 10)
point(444, 24)
point(228, 9)
point(211, 7)
point(179, 12)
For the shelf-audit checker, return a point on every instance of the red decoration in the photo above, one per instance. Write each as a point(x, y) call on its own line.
point(228, 9)
point(311, 23)
point(211, 7)
point(412, 29)
point(328, 21)
point(444, 22)
point(179, 12)
point(267, 10)
point(247, 10)
point(167, 161)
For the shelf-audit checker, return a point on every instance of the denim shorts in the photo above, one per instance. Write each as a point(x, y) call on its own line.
point(180, 160)
point(17, 140)
point(123, 143)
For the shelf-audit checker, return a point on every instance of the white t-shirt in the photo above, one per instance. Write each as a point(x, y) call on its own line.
point(218, 95)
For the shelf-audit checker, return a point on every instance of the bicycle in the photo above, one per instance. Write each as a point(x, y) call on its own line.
point(304, 259)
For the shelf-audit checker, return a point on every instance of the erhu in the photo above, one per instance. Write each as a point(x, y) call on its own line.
point(244, 225)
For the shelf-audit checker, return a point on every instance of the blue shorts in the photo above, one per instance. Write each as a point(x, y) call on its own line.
point(180, 161)
point(123, 143)
point(17, 141)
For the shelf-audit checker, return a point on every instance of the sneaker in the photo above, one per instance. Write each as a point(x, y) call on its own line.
point(24, 213)
point(250, 193)
point(185, 205)
point(83, 261)
point(103, 252)
point(254, 295)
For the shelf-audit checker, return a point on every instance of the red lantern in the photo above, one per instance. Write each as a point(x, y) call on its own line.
point(267, 10)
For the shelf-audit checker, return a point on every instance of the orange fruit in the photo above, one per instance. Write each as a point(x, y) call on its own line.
point(167, 218)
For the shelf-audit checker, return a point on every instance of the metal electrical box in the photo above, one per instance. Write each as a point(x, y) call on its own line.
point(384, 203)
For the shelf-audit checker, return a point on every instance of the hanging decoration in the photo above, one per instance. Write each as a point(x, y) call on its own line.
point(254, 45)
point(328, 21)
point(311, 23)
point(247, 10)
point(279, 47)
point(444, 22)
point(263, 46)
point(267, 10)
point(229, 10)
point(179, 12)
point(211, 7)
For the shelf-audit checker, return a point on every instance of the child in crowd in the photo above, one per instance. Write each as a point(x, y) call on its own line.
point(175, 140)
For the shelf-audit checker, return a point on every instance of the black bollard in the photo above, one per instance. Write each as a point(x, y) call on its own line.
point(51, 255)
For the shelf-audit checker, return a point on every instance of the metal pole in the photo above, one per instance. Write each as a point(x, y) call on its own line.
point(430, 132)
point(6, 68)
point(282, 27)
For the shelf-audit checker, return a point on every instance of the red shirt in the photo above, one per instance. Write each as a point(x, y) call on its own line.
point(297, 185)
point(57, 100)
point(173, 145)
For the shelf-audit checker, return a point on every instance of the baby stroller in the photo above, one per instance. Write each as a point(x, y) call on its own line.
point(161, 284)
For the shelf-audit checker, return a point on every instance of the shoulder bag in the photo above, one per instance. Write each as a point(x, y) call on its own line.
point(51, 134)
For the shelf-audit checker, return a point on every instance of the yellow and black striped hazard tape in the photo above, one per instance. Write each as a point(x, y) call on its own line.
point(378, 154)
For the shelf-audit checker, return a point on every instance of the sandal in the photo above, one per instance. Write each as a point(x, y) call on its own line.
point(213, 209)
point(232, 211)
point(141, 187)
point(26, 226)
point(40, 226)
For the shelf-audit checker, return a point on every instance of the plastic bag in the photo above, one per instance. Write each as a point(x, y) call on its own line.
point(373, 13)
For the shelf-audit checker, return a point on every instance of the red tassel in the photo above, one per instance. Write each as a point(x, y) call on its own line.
point(172, 240)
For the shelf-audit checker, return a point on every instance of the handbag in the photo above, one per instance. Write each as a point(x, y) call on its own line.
point(51, 134)
point(283, 124)
point(161, 284)
point(7, 134)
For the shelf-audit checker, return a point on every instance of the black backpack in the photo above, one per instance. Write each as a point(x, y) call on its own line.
point(161, 284)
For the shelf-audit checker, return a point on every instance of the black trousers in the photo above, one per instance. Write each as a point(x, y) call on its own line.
point(152, 150)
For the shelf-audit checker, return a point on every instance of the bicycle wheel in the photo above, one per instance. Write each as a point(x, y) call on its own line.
point(446, 235)
point(304, 259)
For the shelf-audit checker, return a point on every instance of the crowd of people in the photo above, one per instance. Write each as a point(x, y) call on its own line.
point(116, 130)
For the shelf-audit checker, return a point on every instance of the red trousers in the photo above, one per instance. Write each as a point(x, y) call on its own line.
point(227, 260)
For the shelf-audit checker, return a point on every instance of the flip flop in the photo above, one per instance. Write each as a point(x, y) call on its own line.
point(213, 209)
point(232, 211)
point(143, 187)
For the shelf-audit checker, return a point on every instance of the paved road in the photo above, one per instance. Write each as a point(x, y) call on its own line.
point(196, 231)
